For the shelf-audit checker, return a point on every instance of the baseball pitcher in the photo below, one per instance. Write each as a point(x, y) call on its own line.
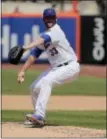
point(63, 61)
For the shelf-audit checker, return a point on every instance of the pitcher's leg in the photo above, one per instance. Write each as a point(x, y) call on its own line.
point(43, 97)
point(68, 73)
point(35, 88)
point(34, 95)
point(55, 76)
point(44, 90)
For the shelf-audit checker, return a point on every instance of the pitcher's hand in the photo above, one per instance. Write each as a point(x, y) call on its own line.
point(20, 77)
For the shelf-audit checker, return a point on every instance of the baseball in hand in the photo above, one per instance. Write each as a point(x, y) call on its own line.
point(21, 77)
point(22, 80)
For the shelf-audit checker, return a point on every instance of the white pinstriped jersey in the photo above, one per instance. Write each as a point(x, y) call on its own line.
point(59, 50)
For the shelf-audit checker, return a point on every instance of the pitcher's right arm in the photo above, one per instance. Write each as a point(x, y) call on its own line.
point(34, 54)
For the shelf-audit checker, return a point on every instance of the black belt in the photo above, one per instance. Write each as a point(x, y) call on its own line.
point(64, 64)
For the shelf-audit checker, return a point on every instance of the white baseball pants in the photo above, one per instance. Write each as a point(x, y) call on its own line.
point(42, 87)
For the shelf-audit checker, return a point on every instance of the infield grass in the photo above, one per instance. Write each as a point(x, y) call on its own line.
point(90, 119)
point(85, 85)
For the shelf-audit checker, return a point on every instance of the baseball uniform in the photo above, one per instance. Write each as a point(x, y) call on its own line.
point(64, 67)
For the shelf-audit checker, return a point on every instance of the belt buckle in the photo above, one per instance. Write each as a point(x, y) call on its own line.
point(59, 65)
point(64, 64)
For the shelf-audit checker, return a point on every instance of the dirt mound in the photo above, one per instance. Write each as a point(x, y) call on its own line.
point(18, 130)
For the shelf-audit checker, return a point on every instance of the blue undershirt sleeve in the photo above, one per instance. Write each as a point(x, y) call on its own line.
point(46, 37)
point(36, 52)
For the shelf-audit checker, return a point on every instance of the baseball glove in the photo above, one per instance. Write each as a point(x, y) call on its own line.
point(15, 55)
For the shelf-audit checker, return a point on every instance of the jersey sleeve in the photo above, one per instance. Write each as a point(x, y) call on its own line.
point(47, 40)
point(46, 37)
point(36, 52)
point(54, 36)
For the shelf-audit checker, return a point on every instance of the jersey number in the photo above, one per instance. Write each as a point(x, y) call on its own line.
point(53, 51)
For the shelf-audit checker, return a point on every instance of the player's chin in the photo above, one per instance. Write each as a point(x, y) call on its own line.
point(49, 25)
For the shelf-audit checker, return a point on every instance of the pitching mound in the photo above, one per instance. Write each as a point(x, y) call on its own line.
point(18, 130)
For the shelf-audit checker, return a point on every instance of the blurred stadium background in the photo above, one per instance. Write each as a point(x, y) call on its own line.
point(86, 21)
point(84, 24)
point(92, 7)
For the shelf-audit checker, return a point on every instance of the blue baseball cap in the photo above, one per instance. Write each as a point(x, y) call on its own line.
point(49, 13)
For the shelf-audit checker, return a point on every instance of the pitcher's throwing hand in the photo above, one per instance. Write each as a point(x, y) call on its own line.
point(20, 77)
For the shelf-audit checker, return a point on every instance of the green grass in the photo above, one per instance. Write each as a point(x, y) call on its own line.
point(85, 85)
point(91, 119)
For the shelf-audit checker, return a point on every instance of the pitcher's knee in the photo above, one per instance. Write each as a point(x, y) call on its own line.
point(46, 81)
point(34, 88)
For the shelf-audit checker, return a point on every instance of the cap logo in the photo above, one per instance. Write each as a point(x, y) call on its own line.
point(49, 11)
